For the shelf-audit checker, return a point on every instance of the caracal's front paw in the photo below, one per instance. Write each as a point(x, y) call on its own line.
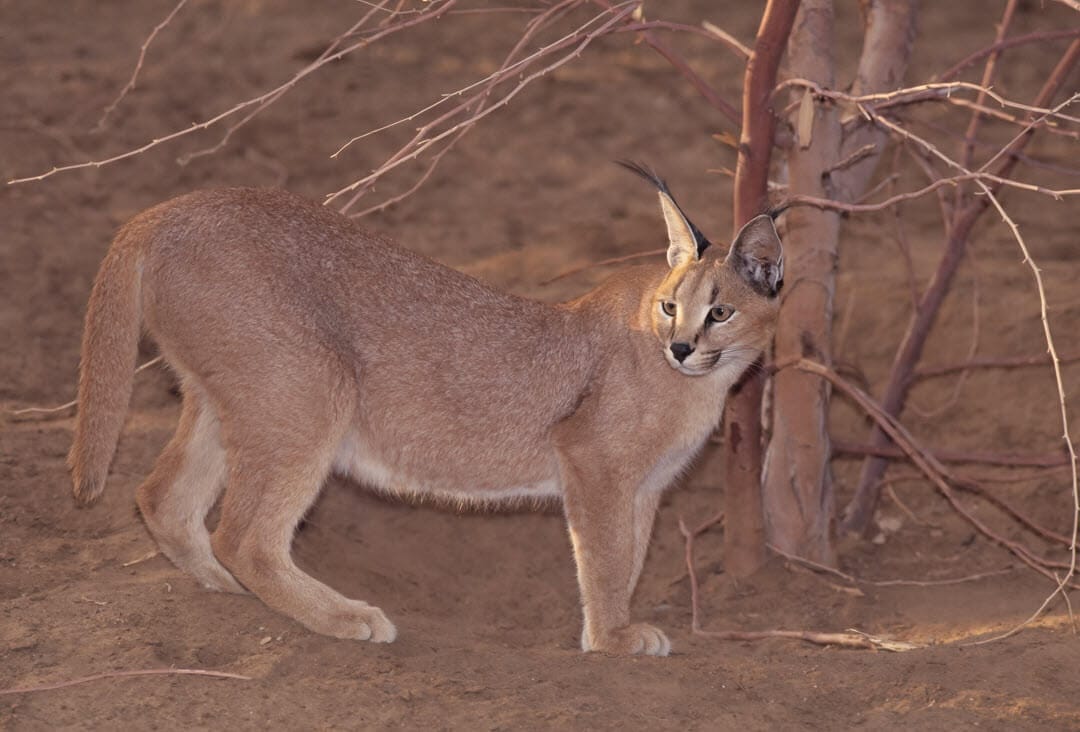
point(355, 620)
point(634, 639)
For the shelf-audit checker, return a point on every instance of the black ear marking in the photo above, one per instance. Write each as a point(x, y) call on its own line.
point(700, 242)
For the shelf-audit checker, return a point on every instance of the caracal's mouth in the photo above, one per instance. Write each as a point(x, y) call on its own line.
point(685, 368)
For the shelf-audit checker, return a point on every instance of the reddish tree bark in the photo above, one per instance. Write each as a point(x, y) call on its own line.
point(744, 534)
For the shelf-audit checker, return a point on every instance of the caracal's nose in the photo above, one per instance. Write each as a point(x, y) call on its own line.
point(681, 350)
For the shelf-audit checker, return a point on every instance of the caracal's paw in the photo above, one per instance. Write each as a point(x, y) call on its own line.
point(357, 621)
point(634, 639)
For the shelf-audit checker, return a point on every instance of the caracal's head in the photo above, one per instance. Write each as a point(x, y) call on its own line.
point(714, 309)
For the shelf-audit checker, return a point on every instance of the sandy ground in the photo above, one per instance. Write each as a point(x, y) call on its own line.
point(486, 604)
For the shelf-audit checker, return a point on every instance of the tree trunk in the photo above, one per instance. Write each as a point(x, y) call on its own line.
point(797, 480)
point(744, 545)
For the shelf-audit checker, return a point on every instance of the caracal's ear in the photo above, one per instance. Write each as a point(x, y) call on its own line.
point(686, 243)
point(758, 256)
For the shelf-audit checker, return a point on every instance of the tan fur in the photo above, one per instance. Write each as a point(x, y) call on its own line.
point(305, 345)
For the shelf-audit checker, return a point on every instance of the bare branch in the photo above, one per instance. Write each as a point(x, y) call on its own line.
point(961, 223)
point(992, 362)
point(422, 142)
point(940, 91)
point(933, 470)
point(602, 263)
point(828, 203)
point(73, 402)
point(138, 65)
point(1038, 37)
point(987, 79)
point(434, 10)
point(679, 63)
point(945, 455)
point(124, 674)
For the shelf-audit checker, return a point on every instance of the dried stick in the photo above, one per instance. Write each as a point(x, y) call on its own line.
point(601, 263)
point(435, 9)
point(1008, 509)
point(818, 567)
point(1037, 275)
point(991, 362)
point(423, 139)
point(860, 509)
point(695, 626)
point(987, 79)
point(138, 66)
point(901, 235)
point(939, 91)
point(534, 25)
point(1005, 460)
point(930, 413)
point(1037, 37)
point(73, 402)
point(732, 42)
point(473, 105)
point(834, 205)
point(846, 640)
point(124, 674)
point(259, 108)
point(709, 94)
point(930, 467)
point(972, 486)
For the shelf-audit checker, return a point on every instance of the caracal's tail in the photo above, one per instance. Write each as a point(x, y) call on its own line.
point(107, 366)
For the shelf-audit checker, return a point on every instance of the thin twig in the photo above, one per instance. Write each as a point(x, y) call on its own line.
point(423, 139)
point(434, 10)
point(495, 76)
point(124, 674)
point(974, 58)
point(891, 493)
point(1043, 315)
point(602, 263)
point(259, 108)
point(989, 69)
point(690, 536)
point(818, 567)
point(1005, 460)
point(828, 203)
point(853, 639)
point(941, 91)
point(932, 412)
point(138, 66)
point(930, 466)
point(703, 88)
point(73, 402)
point(992, 362)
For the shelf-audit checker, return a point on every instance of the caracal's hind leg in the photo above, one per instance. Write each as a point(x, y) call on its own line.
point(279, 457)
point(182, 488)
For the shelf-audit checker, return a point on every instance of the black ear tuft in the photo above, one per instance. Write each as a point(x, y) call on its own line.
point(774, 212)
point(647, 173)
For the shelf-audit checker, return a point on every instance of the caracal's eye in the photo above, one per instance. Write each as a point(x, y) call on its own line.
point(719, 314)
point(669, 308)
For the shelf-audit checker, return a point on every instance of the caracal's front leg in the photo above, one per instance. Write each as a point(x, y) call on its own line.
point(607, 530)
